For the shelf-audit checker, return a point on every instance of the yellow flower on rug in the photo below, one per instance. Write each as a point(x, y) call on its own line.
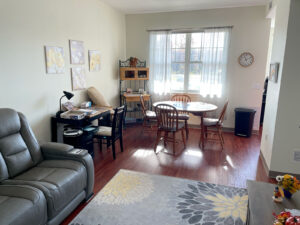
point(126, 188)
point(235, 206)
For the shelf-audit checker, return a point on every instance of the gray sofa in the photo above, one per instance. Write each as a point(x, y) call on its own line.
point(39, 184)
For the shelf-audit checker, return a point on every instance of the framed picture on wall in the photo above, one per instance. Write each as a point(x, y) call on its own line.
point(55, 60)
point(78, 78)
point(76, 52)
point(274, 68)
point(94, 60)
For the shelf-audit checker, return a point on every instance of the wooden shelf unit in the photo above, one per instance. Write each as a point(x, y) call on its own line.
point(134, 73)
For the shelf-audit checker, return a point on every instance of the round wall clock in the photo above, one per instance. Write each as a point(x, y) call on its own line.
point(246, 59)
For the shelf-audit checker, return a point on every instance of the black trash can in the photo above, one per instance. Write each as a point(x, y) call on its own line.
point(244, 119)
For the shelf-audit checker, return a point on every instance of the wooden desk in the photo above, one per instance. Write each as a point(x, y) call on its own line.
point(102, 112)
point(135, 97)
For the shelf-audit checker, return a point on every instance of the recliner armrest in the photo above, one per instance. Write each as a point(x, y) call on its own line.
point(53, 150)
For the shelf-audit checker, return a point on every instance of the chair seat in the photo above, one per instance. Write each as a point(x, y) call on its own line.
point(208, 122)
point(173, 129)
point(104, 131)
point(60, 181)
point(151, 114)
point(183, 116)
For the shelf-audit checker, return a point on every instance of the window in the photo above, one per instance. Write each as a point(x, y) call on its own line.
point(189, 62)
point(190, 52)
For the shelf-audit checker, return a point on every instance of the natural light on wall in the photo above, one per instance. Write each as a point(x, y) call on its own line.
point(191, 62)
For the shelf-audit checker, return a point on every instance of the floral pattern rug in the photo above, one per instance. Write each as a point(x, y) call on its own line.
point(133, 198)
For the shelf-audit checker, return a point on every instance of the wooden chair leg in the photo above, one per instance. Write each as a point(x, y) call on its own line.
point(121, 143)
point(165, 138)
point(114, 149)
point(174, 144)
point(186, 129)
point(100, 143)
point(158, 136)
point(107, 143)
point(205, 132)
point(183, 138)
point(220, 137)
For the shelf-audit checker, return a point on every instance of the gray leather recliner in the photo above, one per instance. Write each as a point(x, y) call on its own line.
point(39, 184)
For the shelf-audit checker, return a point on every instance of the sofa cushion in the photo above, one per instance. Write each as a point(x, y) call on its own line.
point(96, 97)
point(59, 180)
point(22, 205)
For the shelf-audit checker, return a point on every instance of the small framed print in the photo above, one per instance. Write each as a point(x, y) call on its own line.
point(94, 60)
point(55, 60)
point(77, 52)
point(78, 78)
point(274, 68)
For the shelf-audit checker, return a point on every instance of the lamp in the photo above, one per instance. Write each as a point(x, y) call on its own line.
point(68, 95)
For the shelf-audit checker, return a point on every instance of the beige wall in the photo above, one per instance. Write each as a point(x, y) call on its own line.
point(286, 131)
point(250, 33)
point(278, 51)
point(26, 26)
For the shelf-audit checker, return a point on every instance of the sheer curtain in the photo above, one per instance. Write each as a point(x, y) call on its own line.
point(160, 62)
point(214, 49)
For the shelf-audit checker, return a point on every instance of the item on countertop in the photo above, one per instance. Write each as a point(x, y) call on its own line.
point(128, 90)
point(281, 218)
point(141, 90)
point(86, 104)
point(68, 95)
point(73, 114)
point(68, 106)
point(288, 185)
point(277, 195)
point(132, 62)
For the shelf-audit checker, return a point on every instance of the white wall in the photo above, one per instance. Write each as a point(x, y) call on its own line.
point(278, 51)
point(26, 26)
point(286, 132)
point(250, 33)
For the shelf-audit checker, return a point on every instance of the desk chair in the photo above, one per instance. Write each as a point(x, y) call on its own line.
point(183, 115)
point(216, 124)
point(149, 117)
point(112, 133)
point(168, 122)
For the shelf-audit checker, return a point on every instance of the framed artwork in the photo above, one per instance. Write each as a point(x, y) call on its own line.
point(76, 52)
point(274, 68)
point(94, 60)
point(55, 60)
point(78, 78)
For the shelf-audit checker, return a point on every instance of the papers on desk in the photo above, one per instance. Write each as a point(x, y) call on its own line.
point(78, 114)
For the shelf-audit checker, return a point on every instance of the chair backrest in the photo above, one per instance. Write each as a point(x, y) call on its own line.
point(117, 124)
point(19, 149)
point(222, 115)
point(143, 105)
point(181, 98)
point(167, 117)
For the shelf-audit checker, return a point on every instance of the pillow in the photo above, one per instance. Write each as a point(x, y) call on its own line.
point(96, 97)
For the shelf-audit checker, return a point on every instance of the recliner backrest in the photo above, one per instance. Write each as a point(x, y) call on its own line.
point(19, 149)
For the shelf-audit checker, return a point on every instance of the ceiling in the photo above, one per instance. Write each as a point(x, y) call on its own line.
point(149, 6)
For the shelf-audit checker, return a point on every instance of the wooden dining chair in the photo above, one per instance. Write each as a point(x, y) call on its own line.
point(215, 125)
point(168, 122)
point(183, 115)
point(112, 133)
point(149, 117)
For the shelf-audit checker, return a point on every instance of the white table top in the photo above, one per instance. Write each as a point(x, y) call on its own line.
point(192, 107)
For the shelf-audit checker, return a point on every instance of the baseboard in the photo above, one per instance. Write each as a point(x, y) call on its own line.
point(272, 173)
point(224, 129)
point(266, 168)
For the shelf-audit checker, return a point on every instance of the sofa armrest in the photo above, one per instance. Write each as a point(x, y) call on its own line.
point(53, 150)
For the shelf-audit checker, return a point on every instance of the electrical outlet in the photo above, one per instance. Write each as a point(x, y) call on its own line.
point(296, 155)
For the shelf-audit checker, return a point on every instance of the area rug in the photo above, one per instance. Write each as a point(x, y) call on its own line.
point(133, 198)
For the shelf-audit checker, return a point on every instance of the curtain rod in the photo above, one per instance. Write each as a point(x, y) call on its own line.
point(188, 29)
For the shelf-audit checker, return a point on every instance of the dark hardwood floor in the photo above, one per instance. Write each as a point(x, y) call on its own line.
point(233, 166)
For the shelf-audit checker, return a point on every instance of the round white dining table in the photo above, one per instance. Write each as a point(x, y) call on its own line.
point(196, 108)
